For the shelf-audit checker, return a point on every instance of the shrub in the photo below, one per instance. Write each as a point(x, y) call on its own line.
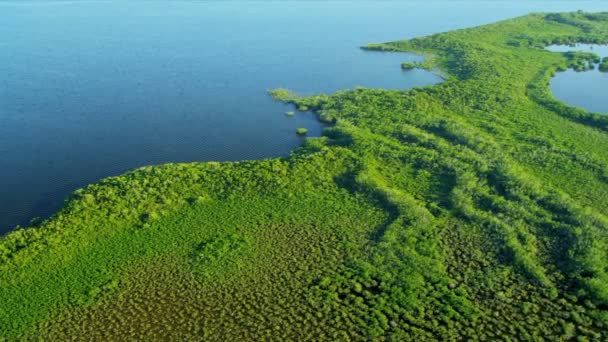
point(409, 65)
point(604, 65)
point(283, 94)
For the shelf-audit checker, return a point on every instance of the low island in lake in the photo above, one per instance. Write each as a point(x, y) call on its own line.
point(471, 209)
point(604, 65)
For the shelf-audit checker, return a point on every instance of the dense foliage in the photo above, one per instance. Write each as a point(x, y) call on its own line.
point(604, 65)
point(468, 210)
point(408, 65)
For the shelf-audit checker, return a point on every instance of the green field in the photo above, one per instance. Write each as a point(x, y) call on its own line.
point(473, 209)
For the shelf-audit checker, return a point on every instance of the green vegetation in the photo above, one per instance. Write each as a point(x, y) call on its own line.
point(290, 113)
point(301, 131)
point(473, 209)
point(604, 65)
point(582, 61)
point(409, 65)
point(427, 64)
point(283, 94)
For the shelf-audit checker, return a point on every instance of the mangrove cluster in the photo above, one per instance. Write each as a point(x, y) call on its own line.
point(604, 65)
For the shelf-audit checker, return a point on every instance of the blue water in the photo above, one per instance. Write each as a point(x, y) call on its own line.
point(586, 89)
point(91, 89)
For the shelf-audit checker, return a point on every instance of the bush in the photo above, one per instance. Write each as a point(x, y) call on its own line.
point(604, 65)
point(283, 94)
point(409, 65)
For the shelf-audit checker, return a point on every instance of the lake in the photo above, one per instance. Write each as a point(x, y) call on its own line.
point(585, 89)
point(91, 89)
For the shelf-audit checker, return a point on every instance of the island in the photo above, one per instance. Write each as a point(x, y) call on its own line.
point(604, 65)
point(408, 65)
point(472, 209)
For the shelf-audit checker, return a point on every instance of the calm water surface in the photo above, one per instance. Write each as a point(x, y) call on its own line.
point(586, 89)
point(91, 89)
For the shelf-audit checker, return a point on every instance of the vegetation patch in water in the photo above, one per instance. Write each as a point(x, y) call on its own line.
point(409, 65)
point(604, 65)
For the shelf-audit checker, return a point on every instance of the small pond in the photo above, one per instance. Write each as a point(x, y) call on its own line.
point(586, 89)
